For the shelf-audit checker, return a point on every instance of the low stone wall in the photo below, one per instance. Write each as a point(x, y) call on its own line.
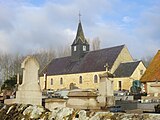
point(130, 105)
point(23, 112)
point(126, 105)
point(32, 112)
point(123, 97)
point(147, 106)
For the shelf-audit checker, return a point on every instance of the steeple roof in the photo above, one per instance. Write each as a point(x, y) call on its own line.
point(80, 38)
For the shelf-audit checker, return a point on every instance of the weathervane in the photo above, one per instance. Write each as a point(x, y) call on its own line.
point(79, 16)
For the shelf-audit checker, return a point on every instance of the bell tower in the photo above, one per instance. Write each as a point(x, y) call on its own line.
point(80, 46)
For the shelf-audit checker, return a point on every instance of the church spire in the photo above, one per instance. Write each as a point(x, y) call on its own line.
point(80, 45)
point(80, 38)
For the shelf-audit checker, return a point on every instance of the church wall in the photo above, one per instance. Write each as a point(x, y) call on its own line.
point(124, 56)
point(137, 73)
point(126, 83)
point(87, 81)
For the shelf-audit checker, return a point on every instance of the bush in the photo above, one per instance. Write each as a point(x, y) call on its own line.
point(10, 83)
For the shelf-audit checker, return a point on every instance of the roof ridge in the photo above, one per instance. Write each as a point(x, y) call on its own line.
point(62, 57)
point(132, 61)
point(108, 48)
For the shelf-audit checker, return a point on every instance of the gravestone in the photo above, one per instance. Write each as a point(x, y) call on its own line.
point(29, 91)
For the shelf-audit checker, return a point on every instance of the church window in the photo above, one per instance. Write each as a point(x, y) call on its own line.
point(120, 85)
point(61, 81)
point(75, 48)
point(141, 72)
point(80, 80)
point(95, 79)
point(51, 81)
point(84, 48)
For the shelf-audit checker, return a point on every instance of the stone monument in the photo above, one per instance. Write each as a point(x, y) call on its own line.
point(89, 99)
point(106, 97)
point(29, 91)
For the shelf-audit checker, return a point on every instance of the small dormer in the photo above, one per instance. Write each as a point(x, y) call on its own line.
point(80, 45)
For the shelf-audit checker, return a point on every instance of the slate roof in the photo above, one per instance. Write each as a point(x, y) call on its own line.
point(152, 73)
point(126, 69)
point(92, 62)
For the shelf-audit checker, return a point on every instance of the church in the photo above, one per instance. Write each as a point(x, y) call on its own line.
point(83, 68)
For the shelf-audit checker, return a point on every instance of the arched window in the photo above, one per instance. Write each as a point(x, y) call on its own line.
point(74, 48)
point(80, 80)
point(51, 81)
point(120, 85)
point(95, 79)
point(61, 81)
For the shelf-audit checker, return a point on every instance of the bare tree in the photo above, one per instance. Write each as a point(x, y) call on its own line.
point(96, 43)
point(44, 56)
point(10, 64)
point(17, 60)
point(147, 60)
point(64, 51)
point(5, 66)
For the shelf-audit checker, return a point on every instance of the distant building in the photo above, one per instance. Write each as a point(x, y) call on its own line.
point(126, 73)
point(83, 68)
point(151, 77)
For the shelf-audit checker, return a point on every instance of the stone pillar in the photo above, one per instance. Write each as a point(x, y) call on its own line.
point(45, 81)
point(106, 97)
point(17, 78)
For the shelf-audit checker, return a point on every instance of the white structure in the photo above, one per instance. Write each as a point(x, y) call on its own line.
point(29, 91)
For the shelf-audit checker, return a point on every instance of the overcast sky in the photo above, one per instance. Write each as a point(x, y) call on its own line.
point(27, 25)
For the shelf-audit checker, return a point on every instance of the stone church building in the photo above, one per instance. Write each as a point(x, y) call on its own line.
point(83, 68)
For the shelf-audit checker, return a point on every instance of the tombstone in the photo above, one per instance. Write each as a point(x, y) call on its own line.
point(29, 91)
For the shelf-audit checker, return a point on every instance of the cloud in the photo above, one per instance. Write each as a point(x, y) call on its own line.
point(30, 29)
point(127, 19)
point(147, 31)
point(26, 25)
point(4, 41)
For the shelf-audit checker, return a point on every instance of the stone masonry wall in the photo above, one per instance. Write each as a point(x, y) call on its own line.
point(126, 83)
point(30, 112)
point(124, 56)
point(87, 81)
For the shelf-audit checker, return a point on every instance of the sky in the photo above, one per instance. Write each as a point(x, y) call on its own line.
point(28, 25)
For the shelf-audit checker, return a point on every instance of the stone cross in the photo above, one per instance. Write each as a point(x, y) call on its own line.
point(107, 67)
point(79, 16)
